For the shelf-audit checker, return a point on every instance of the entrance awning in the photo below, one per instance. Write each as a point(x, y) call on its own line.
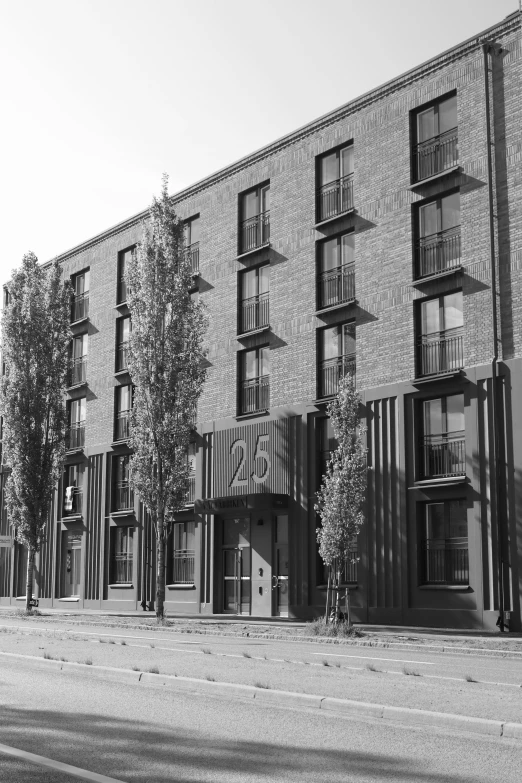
point(264, 500)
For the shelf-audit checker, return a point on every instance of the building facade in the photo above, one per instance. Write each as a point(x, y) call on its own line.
point(383, 240)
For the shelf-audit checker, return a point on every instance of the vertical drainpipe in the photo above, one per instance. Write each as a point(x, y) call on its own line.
point(487, 48)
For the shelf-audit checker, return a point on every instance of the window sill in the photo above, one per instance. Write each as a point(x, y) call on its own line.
point(339, 306)
point(122, 442)
point(123, 585)
point(76, 386)
point(435, 177)
point(324, 400)
point(443, 376)
point(76, 450)
point(72, 518)
point(248, 253)
point(78, 322)
point(252, 332)
point(128, 512)
point(70, 600)
point(332, 219)
point(446, 481)
point(438, 275)
point(121, 304)
point(462, 588)
point(182, 586)
point(121, 372)
point(251, 415)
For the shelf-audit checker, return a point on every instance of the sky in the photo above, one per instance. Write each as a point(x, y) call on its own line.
point(100, 97)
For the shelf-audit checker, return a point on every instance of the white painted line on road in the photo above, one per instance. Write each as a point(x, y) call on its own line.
point(83, 774)
point(373, 658)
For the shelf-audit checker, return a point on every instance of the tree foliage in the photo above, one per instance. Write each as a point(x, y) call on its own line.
point(35, 350)
point(165, 364)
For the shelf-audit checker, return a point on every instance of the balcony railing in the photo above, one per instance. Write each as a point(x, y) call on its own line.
point(255, 312)
point(75, 436)
point(122, 568)
point(121, 356)
point(183, 566)
point(78, 371)
point(440, 353)
point(443, 455)
point(436, 155)
point(349, 571)
point(255, 394)
point(124, 496)
point(438, 252)
point(337, 286)
point(445, 562)
point(122, 425)
point(192, 254)
point(79, 307)
point(77, 502)
point(331, 371)
point(255, 232)
point(335, 197)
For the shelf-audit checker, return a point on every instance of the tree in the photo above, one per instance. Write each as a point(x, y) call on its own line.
point(165, 364)
point(35, 348)
point(340, 499)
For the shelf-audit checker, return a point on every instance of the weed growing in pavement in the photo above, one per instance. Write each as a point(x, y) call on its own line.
point(103, 641)
point(263, 685)
point(337, 665)
point(469, 678)
point(210, 678)
point(123, 643)
point(206, 650)
point(88, 662)
point(153, 645)
point(63, 659)
point(372, 668)
point(320, 628)
point(48, 656)
point(136, 668)
point(111, 641)
point(153, 670)
point(410, 672)
point(325, 662)
point(23, 613)
point(246, 654)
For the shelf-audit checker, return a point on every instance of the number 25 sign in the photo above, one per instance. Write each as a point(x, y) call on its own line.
point(258, 459)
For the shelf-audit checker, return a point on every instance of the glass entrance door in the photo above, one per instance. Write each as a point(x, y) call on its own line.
point(280, 575)
point(71, 563)
point(236, 566)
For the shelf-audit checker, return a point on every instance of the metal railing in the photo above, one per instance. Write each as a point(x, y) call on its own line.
point(192, 255)
point(78, 371)
point(121, 356)
point(255, 394)
point(443, 455)
point(331, 371)
point(124, 496)
point(335, 197)
point(79, 307)
point(75, 438)
point(254, 312)
point(77, 502)
point(438, 252)
point(439, 353)
point(436, 154)
point(337, 285)
point(255, 231)
point(349, 571)
point(183, 566)
point(122, 425)
point(444, 562)
point(121, 568)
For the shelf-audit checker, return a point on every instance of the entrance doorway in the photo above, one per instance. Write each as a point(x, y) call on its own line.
point(280, 572)
point(236, 566)
point(71, 563)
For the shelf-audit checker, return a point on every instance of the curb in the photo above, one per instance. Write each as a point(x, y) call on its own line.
point(402, 715)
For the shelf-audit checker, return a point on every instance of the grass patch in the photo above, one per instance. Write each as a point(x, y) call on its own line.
point(246, 654)
point(341, 629)
point(410, 672)
point(469, 678)
point(88, 661)
point(210, 678)
point(206, 651)
point(22, 613)
point(263, 685)
point(154, 670)
point(372, 668)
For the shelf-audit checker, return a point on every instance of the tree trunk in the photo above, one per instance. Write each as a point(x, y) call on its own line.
point(327, 599)
point(160, 564)
point(348, 609)
point(338, 597)
point(29, 580)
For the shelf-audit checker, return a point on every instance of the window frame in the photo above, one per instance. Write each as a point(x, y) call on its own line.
point(125, 556)
point(82, 297)
point(415, 143)
point(440, 442)
point(456, 543)
point(77, 495)
point(262, 391)
point(121, 285)
point(347, 287)
point(258, 317)
point(437, 356)
point(118, 459)
point(343, 193)
point(119, 343)
point(262, 218)
point(351, 357)
point(185, 554)
point(119, 411)
point(439, 252)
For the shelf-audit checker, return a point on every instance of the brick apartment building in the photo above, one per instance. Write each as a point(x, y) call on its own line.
point(382, 240)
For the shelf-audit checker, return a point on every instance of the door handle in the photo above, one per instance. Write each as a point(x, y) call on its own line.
point(276, 583)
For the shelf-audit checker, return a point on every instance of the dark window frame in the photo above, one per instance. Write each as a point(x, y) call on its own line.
point(342, 202)
point(78, 364)
point(181, 560)
point(347, 360)
point(121, 286)
point(253, 395)
point(76, 498)
point(256, 234)
point(442, 557)
point(344, 287)
point(192, 248)
point(121, 558)
point(80, 300)
point(75, 429)
point(443, 254)
point(121, 345)
point(257, 314)
point(440, 450)
point(122, 415)
point(414, 143)
point(120, 487)
point(447, 353)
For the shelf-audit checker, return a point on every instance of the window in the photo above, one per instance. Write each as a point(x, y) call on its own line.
point(73, 489)
point(255, 292)
point(436, 147)
point(121, 555)
point(438, 228)
point(254, 219)
point(123, 262)
point(123, 496)
point(336, 283)
point(192, 243)
point(444, 543)
point(440, 343)
point(78, 372)
point(443, 442)
point(80, 298)
point(123, 328)
point(336, 357)
point(191, 458)
point(123, 412)
point(76, 430)
point(335, 183)
point(183, 553)
point(254, 389)
point(326, 443)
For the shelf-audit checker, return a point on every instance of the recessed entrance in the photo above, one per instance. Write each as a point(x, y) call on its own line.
point(236, 566)
point(71, 563)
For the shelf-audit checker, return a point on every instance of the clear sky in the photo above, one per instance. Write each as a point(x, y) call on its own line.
point(99, 97)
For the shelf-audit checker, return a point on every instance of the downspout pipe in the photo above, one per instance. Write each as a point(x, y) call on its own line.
point(490, 47)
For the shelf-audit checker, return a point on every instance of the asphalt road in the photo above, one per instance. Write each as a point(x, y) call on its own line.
point(139, 733)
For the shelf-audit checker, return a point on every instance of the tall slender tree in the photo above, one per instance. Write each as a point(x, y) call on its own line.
point(341, 497)
point(35, 351)
point(165, 364)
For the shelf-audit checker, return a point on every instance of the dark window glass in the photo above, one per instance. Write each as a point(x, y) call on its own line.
point(443, 442)
point(255, 292)
point(440, 343)
point(254, 389)
point(255, 219)
point(336, 357)
point(80, 298)
point(183, 552)
point(121, 554)
point(444, 543)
